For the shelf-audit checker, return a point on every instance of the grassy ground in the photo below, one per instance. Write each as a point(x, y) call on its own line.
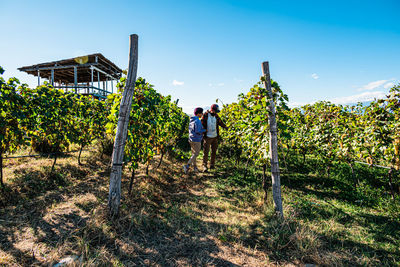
point(328, 221)
point(171, 219)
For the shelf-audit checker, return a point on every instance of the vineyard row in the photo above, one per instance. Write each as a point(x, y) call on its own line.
point(323, 130)
point(49, 121)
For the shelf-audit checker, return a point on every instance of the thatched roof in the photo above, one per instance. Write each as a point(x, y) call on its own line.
point(64, 69)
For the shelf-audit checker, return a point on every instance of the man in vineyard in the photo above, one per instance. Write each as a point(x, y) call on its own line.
point(196, 131)
point(211, 122)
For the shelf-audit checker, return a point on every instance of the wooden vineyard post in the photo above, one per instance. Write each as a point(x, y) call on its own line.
point(273, 143)
point(114, 196)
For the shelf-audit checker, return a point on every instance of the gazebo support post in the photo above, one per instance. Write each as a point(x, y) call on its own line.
point(92, 79)
point(98, 81)
point(52, 77)
point(76, 79)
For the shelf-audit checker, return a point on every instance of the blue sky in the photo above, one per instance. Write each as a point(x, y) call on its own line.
point(197, 51)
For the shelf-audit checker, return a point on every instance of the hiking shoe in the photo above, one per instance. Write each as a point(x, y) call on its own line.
point(185, 168)
point(196, 170)
point(205, 169)
point(212, 168)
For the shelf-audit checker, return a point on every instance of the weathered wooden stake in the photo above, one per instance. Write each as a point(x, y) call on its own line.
point(391, 183)
point(131, 182)
point(265, 184)
point(54, 162)
point(273, 143)
point(162, 156)
point(79, 156)
point(114, 197)
point(1, 172)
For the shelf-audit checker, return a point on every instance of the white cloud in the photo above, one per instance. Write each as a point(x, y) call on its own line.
point(388, 85)
point(315, 76)
point(363, 97)
point(372, 85)
point(237, 80)
point(177, 83)
point(216, 84)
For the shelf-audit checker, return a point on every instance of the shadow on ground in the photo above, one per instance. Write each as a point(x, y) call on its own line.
point(294, 239)
point(164, 222)
point(48, 217)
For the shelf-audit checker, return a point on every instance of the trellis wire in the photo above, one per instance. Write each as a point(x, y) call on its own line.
point(45, 154)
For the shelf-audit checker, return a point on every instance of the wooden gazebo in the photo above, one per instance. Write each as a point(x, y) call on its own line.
point(89, 75)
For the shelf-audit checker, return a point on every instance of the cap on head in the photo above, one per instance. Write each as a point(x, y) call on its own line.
point(215, 108)
point(198, 110)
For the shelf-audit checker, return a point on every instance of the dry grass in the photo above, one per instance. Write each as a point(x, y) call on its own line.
point(170, 219)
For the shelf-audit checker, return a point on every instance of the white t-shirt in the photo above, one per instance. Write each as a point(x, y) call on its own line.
point(211, 126)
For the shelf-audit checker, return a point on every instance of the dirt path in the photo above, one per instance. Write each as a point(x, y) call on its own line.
point(170, 219)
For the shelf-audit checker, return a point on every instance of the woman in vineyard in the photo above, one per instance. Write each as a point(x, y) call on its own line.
point(211, 122)
point(196, 131)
